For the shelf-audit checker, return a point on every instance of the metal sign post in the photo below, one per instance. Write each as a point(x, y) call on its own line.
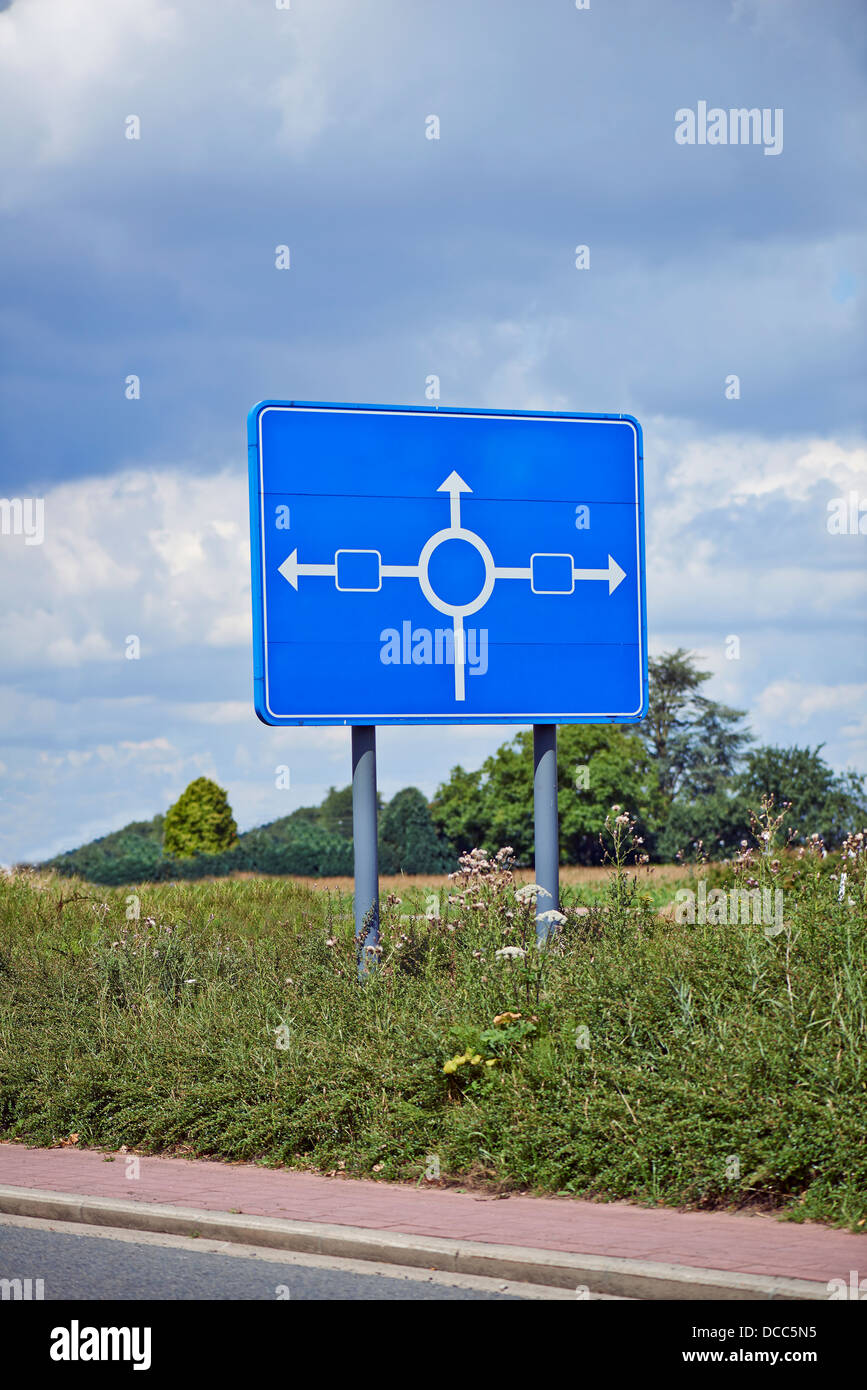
point(547, 825)
point(365, 849)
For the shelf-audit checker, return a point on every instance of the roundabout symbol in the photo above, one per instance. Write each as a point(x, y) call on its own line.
point(454, 485)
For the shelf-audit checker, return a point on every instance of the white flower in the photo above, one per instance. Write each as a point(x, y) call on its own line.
point(531, 890)
point(511, 951)
point(550, 916)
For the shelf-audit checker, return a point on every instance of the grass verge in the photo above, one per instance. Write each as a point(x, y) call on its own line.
point(638, 1056)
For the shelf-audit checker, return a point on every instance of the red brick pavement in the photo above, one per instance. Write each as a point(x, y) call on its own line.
point(711, 1240)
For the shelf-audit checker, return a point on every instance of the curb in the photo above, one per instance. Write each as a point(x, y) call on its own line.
point(641, 1279)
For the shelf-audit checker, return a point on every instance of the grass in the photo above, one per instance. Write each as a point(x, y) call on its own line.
point(637, 1057)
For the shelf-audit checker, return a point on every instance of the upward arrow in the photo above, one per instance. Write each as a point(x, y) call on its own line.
point(454, 485)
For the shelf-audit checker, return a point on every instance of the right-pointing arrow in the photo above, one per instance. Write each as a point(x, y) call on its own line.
point(614, 574)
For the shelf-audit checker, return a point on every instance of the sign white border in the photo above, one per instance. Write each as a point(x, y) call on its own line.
point(534, 717)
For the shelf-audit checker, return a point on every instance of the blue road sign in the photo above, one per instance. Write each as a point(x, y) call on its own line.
point(429, 565)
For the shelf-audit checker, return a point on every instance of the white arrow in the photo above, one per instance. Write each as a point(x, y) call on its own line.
point(454, 485)
point(613, 573)
point(290, 569)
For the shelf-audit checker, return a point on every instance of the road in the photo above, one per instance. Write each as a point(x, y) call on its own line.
point(92, 1263)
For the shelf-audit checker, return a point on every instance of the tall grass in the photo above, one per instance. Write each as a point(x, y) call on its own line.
point(637, 1056)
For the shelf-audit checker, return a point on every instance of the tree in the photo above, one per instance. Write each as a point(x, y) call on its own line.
point(409, 843)
point(614, 764)
point(597, 765)
point(695, 743)
point(335, 812)
point(200, 821)
point(458, 810)
point(720, 821)
point(822, 802)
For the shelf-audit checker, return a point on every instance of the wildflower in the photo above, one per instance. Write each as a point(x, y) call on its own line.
point(511, 951)
point(551, 916)
point(531, 890)
point(378, 1167)
point(491, 1062)
point(331, 941)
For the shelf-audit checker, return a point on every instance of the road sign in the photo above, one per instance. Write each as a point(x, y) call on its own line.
point(429, 565)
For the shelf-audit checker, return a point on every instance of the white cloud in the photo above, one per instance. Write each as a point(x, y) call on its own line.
point(157, 555)
point(723, 470)
point(796, 702)
point(64, 63)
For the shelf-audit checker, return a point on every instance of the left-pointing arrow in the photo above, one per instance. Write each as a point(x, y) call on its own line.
point(291, 568)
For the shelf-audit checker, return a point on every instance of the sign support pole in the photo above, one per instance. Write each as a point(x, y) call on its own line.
point(546, 823)
point(364, 839)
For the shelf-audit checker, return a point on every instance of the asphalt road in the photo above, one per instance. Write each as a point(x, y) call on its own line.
point(139, 1266)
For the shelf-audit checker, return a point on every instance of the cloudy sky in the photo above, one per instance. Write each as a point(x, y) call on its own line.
point(306, 126)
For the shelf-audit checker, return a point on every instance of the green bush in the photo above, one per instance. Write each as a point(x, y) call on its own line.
point(200, 821)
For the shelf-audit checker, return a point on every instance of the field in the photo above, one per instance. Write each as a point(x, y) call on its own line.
point(570, 876)
point(705, 1063)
